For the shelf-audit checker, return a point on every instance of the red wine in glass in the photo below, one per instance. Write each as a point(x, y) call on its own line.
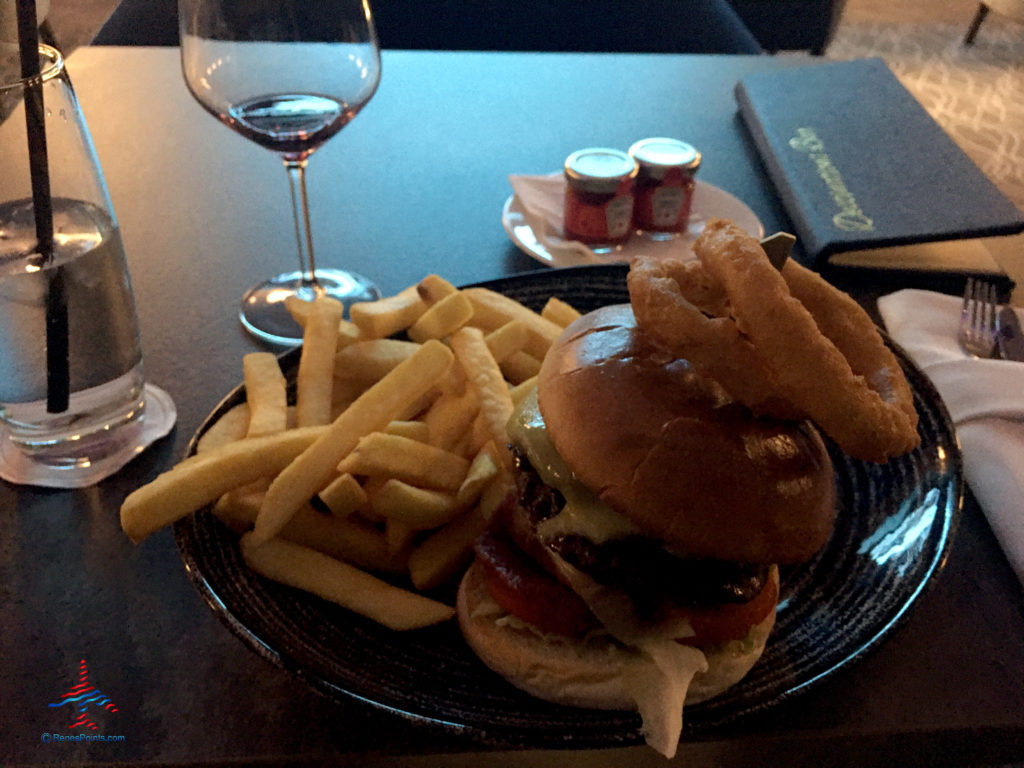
point(287, 75)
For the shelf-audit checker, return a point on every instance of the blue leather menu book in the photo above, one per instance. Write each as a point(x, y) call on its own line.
point(867, 177)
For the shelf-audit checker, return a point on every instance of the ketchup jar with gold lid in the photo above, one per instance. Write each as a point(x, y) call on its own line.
point(599, 197)
point(664, 186)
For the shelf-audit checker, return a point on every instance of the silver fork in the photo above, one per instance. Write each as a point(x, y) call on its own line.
point(977, 334)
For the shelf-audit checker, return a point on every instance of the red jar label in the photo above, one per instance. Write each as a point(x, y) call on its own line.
point(599, 219)
point(664, 206)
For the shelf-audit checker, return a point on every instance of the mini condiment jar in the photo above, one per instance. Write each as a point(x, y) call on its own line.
point(599, 197)
point(664, 186)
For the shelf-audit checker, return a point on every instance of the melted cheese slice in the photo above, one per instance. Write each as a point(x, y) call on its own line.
point(584, 513)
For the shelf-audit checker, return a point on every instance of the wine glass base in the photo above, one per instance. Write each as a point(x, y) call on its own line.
point(263, 306)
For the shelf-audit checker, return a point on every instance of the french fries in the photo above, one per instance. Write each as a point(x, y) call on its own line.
point(316, 364)
point(205, 477)
point(558, 312)
point(351, 540)
point(380, 453)
point(231, 426)
point(392, 460)
point(507, 340)
point(447, 552)
point(370, 360)
point(491, 310)
point(486, 378)
point(521, 390)
point(420, 509)
point(300, 310)
point(265, 393)
point(343, 496)
point(443, 318)
point(433, 288)
point(450, 417)
point(312, 571)
point(484, 468)
point(375, 408)
point(386, 317)
point(414, 430)
point(520, 367)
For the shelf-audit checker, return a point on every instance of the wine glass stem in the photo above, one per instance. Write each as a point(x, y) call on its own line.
point(300, 209)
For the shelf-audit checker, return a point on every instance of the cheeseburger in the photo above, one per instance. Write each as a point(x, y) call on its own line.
point(636, 564)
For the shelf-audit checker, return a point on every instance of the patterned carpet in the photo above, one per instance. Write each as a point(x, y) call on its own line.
point(976, 93)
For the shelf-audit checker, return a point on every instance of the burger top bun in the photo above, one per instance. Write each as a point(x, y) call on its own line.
point(666, 448)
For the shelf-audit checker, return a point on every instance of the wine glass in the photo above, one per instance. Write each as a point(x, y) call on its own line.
point(288, 75)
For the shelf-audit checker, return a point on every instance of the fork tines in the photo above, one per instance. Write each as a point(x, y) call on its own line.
point(978, 318)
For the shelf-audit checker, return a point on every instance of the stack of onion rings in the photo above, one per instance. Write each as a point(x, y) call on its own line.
point(786, 344)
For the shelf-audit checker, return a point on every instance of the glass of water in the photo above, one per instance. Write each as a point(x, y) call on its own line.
point(71, 377)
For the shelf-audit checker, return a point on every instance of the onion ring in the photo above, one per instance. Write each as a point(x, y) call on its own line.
point(787, 345)
point(714, 345)
point(842, 321)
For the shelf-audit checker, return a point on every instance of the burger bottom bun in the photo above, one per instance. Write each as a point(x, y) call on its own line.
point(583, 673)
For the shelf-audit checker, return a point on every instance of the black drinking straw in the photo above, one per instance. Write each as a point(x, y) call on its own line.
point(58, 374)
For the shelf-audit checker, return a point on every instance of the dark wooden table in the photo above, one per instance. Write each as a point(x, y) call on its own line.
point(414, 185)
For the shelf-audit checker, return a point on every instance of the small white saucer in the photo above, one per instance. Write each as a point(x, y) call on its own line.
point(708, 202)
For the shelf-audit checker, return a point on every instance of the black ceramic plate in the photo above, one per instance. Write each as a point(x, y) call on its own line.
point(894, 527)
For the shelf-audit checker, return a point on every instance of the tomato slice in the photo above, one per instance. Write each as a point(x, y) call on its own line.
point(527, 591)
point(730, 621)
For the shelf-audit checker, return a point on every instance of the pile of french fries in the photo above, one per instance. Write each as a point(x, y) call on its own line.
point(392, 458)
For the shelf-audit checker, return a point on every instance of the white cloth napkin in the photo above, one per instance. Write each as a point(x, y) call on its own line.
point(985, 399)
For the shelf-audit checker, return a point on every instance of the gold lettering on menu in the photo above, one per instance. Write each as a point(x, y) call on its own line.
point(849, 217)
